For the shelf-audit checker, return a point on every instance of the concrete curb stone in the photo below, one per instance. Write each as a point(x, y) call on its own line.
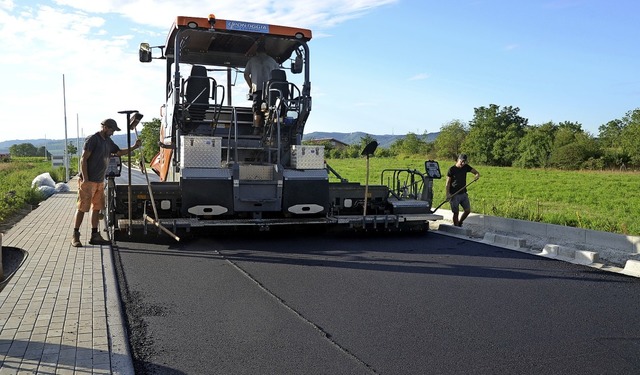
point(602, 250)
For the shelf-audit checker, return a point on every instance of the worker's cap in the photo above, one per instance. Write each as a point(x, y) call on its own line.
point(462, 157)
point(111, 124)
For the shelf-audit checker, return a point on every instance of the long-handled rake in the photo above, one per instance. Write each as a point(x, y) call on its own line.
point(452, 195)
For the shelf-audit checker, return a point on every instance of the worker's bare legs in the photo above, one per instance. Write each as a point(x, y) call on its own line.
point(455, 218)
point(461, 199)
point(95, 218)
point(465, 213)
point(75, 238)
point(78, 219)
point(258, 116)
point(257, 123)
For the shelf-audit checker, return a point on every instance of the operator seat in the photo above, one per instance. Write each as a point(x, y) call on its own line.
point(278, 83)
point(198, 89)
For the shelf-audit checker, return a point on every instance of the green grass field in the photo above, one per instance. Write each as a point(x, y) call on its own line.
point(605, 201)
point(16, 177)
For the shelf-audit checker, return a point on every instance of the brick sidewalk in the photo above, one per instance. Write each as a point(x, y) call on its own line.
point(53, 311)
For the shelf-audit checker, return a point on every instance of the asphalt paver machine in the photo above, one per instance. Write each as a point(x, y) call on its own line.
point(217, 173)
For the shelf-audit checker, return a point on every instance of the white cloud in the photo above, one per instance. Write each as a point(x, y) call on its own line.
point(7, 4)
point(160, 13)
point(44, 43)
point(419, 77)
point(94, 44)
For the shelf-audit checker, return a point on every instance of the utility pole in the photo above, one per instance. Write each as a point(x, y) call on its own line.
point(66, 143)
point(78, 152)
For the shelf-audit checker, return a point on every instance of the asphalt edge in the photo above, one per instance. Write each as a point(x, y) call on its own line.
point(121, 359)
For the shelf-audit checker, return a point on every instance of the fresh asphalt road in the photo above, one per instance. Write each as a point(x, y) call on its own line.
point(318, 304)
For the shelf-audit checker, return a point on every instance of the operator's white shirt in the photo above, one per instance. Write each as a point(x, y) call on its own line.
point(260, 67)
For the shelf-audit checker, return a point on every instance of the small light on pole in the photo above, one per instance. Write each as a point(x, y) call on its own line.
point(131, 123)
point(369, 149)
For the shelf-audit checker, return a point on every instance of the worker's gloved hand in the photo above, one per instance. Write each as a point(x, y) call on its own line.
point(477, 177)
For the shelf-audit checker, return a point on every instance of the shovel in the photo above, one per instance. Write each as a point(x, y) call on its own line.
point(448, 199)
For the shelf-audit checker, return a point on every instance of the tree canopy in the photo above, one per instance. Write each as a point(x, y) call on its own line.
point(150, 136)
point(448, 144)
point(494, 134)
point(499, 136)
point(23, 149)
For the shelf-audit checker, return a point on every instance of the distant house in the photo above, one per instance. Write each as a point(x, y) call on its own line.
point(332, 141)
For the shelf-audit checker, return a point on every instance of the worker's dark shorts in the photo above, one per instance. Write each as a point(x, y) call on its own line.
point(461, 199)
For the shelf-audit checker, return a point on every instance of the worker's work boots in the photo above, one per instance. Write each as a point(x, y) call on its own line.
point(75, 240)
point(96, 239)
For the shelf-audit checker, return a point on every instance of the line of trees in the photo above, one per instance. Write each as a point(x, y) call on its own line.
point(149, 135)
point(26, 149)
point(501, 137)
point(29, 150)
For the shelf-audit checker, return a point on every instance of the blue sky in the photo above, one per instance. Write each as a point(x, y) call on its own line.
point(378, 66)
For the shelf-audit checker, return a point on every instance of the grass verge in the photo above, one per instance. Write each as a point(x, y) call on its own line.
point(16, 177)
point(604, 201)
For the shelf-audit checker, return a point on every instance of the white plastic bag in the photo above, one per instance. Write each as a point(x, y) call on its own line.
point(61, 187)
point(43, 179)
point(47, 191)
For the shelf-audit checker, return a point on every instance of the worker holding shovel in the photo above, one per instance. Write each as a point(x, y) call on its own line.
point(457, 188)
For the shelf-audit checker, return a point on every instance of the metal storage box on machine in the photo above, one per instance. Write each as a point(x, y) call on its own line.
point(307, 157)
point(200, 152)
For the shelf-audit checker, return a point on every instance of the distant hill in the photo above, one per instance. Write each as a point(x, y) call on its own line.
point(384, 141)
point(56, 146)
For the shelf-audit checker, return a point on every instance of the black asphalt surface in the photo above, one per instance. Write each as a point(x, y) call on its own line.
point(320, 304)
